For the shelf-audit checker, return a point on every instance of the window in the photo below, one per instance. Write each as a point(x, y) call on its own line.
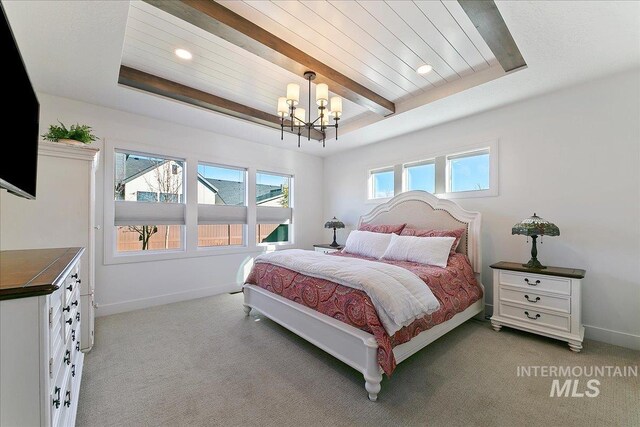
point(149, 211)
point(222, 205)
point(468, 171)
point(381, 184)
point(420, 176)
point(273, 207)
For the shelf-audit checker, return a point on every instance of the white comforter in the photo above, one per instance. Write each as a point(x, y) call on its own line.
point(398, 295)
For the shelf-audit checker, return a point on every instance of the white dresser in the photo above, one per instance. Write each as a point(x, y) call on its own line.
point(61, 216)
point(546, 302)
point(40, 336)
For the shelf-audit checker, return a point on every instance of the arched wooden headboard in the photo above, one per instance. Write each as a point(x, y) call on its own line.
point(419, 209)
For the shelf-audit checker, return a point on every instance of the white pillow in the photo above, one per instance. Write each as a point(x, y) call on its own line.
point(367, 243)
point(425, 250)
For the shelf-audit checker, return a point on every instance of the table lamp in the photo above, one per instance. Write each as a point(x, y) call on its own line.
point(334, 223)
point(533, 227)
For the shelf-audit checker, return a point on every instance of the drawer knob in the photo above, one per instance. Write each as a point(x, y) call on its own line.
point(75, 303)
point(67, 401)
point(69, 321)
point(73, 335)
point(74, 276)
point(67, 308)
point(78, 317)
point(73, 370)
point(56, 402)
point(537, 282)
point(78, 346)
point(532, 317)
point(532, 300)
point(67, 357)
point(70, 287)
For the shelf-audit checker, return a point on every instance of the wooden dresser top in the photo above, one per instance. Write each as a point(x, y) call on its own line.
point(33, 272)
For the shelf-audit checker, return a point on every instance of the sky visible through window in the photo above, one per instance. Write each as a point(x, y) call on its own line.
point(225, 174)
point(269, 179)
point(470, 173)
point(422, 177)
point(382, 184)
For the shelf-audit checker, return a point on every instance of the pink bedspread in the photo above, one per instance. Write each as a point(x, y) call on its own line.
point(455, 287)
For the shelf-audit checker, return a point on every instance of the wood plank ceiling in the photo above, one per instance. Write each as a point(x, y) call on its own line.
point(377, 44)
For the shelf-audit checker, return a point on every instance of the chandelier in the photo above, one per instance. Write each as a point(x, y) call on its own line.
point(288, 107)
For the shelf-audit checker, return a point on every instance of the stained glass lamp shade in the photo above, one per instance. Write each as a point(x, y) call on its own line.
point(533, 227)
point(334, 223)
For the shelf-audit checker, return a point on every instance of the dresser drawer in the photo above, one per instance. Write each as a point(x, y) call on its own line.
point(538, 318)
point(541, 282)
point(536, 300)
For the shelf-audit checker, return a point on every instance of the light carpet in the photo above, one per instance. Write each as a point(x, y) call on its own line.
point(203, 363)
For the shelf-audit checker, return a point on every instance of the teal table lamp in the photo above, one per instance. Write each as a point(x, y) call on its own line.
point(334, 223)
point(533, 227)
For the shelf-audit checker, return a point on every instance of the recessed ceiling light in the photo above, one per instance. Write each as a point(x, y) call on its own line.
point(183, 54)
point(424, 69)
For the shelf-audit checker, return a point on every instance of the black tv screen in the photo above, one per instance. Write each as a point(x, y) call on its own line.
point(19, 121)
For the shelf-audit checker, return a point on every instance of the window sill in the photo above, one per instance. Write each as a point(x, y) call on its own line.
point(168, 255)
point(378, 201)
point(469, 194)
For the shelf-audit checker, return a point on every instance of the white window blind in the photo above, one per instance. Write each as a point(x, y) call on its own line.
point(222, 214)
point(272, 215)
point(140, 213)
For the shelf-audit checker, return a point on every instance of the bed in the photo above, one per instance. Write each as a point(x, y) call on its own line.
point(361, 349)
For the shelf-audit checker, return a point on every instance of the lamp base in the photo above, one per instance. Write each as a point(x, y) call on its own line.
point(534, 263)
point(334, 244)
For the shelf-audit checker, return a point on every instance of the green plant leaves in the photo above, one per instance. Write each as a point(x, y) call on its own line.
point(78, 132)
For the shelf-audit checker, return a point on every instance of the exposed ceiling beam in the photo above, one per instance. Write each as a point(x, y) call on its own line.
point(228, 25)
point(150, 83)
point(486, 17)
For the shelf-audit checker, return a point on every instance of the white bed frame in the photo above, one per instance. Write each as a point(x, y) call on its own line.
point(357, 348)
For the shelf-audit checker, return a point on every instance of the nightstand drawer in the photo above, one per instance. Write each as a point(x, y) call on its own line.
point(536, 300)
point(540, 282)
point(539, 318)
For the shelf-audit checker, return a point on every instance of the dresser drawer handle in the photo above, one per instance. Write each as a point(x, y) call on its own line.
point(67, 308)
point(73, 370)
point(67, 401)
point(532, 300)
point(69, 321)
point(532, 284)
point(75, 303)
point(532, 318)
point(67, 357)
point(70, 287)
point(56, 402)
point(78, 346)
point(73, 335)
point(74, 276)
point(78, 317)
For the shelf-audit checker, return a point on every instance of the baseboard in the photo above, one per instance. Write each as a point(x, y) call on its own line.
point(136, 304)
point(623, 339)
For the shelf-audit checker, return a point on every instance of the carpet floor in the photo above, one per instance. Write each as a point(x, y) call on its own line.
point(203, 363)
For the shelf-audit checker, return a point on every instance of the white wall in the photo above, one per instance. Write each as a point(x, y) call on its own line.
point(572, 157)
point(121, 287)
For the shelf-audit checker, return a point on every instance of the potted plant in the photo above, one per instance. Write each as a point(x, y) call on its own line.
point(76, 135)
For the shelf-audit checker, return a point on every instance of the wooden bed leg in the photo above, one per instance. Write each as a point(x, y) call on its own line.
point(372, 385)
point(246, 309)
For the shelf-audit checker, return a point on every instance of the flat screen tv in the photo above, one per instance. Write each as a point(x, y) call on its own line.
point(19, 122)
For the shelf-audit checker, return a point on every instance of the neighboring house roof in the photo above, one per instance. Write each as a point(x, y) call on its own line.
point(231, 192)
point(136, 166)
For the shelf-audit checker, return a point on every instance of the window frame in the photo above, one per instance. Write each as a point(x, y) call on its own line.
point(492, 150)
point(291, 232)
point(405, 175)
point(190, 247)
point(370, 182)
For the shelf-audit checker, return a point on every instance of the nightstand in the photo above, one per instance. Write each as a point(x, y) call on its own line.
point(545, 302)
point(327, 249)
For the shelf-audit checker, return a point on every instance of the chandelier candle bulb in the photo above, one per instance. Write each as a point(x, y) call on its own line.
point(301, 114)
point(293, 94)
point(322, 94)
point(283, 107)
point(336, 106)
